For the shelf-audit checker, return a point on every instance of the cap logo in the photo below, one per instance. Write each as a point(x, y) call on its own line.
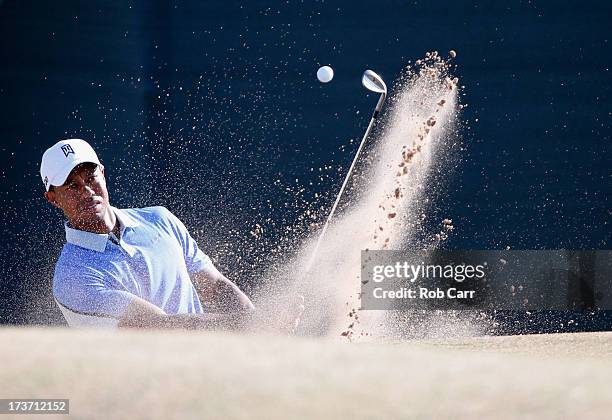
point(67, 149)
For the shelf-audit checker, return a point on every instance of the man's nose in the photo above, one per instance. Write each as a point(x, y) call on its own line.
point(87, 191)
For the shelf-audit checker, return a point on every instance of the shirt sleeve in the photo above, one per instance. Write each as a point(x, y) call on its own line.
point(83, 292)
point(195, 259)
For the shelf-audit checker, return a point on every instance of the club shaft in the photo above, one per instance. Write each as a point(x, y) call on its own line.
point(345, 183)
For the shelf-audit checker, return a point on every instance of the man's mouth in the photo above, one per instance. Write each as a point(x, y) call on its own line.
point(91, 206)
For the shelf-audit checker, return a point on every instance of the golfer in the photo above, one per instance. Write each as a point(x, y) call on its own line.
point(136, 267)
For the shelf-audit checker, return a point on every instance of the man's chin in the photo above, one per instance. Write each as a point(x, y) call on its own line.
point(91, 216)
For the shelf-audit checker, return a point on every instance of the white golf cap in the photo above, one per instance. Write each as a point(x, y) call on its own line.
point(61, 158)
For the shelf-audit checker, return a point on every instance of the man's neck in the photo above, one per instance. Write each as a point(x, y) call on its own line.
point(108, 223)
point(117, 227)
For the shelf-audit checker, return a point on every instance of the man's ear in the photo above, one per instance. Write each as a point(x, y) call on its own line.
point(51, 198)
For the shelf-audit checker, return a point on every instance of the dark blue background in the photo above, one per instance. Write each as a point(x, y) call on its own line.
point(213, 110)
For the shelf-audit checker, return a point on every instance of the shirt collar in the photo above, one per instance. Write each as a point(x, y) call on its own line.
point(97, 241)
point(125, 220)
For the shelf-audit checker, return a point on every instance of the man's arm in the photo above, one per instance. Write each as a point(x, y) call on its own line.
point(218, 293)
point(228, 308)
point(142, 314)
point(233, 310)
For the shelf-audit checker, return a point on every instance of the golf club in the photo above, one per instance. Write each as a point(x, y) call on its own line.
point(374, 83)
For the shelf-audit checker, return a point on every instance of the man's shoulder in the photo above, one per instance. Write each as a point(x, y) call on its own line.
point(153, 214)
point(157, 216)
point(154, 211)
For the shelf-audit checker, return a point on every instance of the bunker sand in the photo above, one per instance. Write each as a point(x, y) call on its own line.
point(141, 374)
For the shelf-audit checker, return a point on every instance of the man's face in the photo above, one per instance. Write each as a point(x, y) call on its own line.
point(83, 197)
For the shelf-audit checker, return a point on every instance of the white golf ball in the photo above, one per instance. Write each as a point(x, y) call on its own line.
point(325, 74)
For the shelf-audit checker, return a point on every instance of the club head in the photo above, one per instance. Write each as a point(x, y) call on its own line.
point(373, 82)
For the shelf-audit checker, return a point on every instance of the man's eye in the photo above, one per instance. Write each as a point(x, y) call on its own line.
point(72, 186)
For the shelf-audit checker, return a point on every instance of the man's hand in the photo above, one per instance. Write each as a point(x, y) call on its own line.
point(283, 315)
point(293, 314)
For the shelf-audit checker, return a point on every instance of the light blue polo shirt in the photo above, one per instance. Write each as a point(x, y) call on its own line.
point(96, 278)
